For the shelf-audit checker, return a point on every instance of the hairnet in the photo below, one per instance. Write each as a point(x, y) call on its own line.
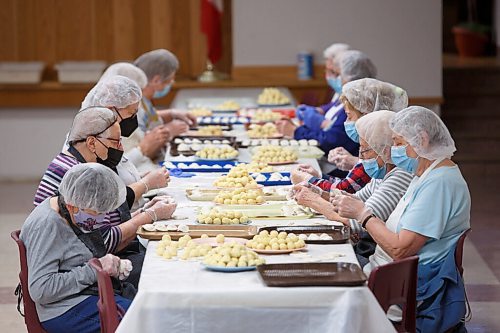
point(116, 91)
point(158, 62)
point(368, 95)
point(335, 49)
point(375, 130)
point(355, 65)
point(128, 70)
point(93, 186)
point(424, 131)
point(91, 121)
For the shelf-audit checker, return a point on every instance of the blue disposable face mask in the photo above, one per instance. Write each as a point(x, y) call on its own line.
point(335, 83)
point(163, 92)
point(402, 160)
point(373, 170)
point(87, 222)
point(350, 130)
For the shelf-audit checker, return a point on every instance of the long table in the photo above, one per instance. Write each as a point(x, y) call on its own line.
point(183, 297)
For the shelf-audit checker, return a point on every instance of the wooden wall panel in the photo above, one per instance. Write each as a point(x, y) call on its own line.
point(8, 30)
point(110, 30)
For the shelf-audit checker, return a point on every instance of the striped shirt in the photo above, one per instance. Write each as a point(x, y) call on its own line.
point(383, 195)
point(49, 184)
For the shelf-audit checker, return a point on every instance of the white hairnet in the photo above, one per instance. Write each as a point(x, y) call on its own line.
point(335, 49)
point(368, 95)
point(375, 130)
point(93, 186)
point(424, 131)
point(355, 65)
point(128, 70)
point(158, 62)
point(116, 91)
point(90, 122)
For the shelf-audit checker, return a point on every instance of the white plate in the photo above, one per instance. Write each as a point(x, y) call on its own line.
point(229, 269)
point(278, 251)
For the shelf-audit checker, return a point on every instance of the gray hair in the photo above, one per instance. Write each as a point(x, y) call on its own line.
point(158, 62)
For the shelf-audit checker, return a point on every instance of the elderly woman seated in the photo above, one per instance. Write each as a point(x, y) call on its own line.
point(382, 194)
point(329, 131)
point(160, 67)
point(95, 137)
point(428, 220)
point(123, 95)
point(359, 97)
point(60, 240)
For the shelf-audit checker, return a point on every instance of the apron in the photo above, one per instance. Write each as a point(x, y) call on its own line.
point(380, 257)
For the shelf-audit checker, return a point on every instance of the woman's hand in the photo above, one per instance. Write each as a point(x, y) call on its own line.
point(164, 210)
point(309, 169)
point(286, 127)
point(157, 178)
point(110, 264)
point(177, 127)
point(125, 269)
point(305, 197)
point(154, 141)
point(184, 116)
point(342, 158)
point(350, 207)
point(297, 176)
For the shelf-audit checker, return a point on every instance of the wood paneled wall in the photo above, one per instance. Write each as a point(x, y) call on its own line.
point(110, 30)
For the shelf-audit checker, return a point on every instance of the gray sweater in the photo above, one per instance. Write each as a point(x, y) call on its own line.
point(52, 247)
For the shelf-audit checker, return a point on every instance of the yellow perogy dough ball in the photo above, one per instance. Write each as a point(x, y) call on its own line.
point(219, 238)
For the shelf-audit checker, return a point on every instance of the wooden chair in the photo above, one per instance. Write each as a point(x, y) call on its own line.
point(396, 283)
point(30, 315)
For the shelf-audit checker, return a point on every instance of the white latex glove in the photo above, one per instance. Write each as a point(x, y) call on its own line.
point(164, 210)
point(157, 178)
point(342, 159)
point(309, 169)
point(110, 264)
point(125, 269)
point(350, 207)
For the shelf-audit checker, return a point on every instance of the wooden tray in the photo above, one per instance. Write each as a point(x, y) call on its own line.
point(195, 231)
point(312, 274)
point(340, 234)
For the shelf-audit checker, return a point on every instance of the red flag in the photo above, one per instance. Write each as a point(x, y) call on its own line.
point(211, 18)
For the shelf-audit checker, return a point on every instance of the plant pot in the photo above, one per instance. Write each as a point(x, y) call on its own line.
point(469, 43)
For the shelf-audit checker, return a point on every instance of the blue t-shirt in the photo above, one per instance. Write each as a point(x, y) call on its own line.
point(438, 209)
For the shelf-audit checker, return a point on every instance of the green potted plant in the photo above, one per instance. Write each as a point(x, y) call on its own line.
point(471, 37)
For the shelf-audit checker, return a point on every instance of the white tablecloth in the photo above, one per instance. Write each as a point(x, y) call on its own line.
point(181, 296)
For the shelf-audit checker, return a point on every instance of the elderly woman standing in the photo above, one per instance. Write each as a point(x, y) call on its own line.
point(330, 132)
point(428, 220)
point(360, 98)
point(382, 194)
point(60, 240)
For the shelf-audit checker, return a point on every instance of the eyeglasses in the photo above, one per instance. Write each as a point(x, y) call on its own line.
point(117, 141)
point(362, 152)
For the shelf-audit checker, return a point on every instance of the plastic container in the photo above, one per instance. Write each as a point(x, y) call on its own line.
point(80, 71)
point(29, 72)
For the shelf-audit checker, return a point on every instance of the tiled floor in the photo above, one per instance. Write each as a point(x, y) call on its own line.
point(481, 253)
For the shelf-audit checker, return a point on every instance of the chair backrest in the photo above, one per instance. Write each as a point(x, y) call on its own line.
point(30, 315)
point(396, 283)
point(108, 310)
point(459, 251)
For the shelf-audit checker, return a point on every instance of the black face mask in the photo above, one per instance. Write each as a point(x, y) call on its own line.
point(128, 125)
point(113, 159)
